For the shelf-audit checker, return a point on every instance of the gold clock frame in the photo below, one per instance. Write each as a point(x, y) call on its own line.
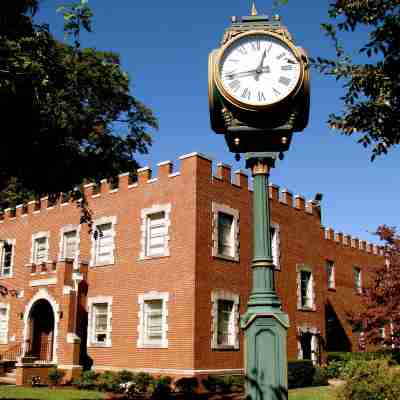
point(216, 59)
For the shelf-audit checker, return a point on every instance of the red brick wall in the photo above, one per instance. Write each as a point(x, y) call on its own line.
point(189, 274)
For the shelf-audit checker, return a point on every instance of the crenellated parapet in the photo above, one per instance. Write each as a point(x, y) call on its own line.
point(351, 242)
point(192, 166)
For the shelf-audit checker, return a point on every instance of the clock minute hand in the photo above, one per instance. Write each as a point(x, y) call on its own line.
point(260, 66)
point(245, 73)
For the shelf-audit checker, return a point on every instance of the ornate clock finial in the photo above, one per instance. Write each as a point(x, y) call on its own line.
point(254, 11)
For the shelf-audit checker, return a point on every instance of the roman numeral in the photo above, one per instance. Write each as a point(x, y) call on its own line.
point(261, 96)
point(281, 56)
point(277, 92)
point(269, 48)
point(287, 67)
point(233, 60)
point(246, 94)
point(229, 75)
point(234, 85)
point(255, 45)
point(285, 81)
point(291, 61)
point(242, 50)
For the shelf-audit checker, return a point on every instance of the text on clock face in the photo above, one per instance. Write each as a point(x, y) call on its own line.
point(259, 69)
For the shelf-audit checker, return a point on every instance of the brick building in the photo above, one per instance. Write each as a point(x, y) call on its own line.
point(160, 280)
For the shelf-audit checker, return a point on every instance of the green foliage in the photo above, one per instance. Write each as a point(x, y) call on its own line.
point(223, 383)
point(187, 385)
point(369, 380)
point(108, 382)
point(372, 98)
point(334, 368)
point(78, 118)
point(125, 376)
point(300, 373)
point(88, 380)
point(55, 375)
point(320, 377)
point(161, 388)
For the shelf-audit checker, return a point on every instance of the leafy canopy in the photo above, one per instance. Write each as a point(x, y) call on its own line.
point(371, 102)
point(67, 112)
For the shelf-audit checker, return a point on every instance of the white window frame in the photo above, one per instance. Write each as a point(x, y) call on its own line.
point(63, 231)
point(36, 236)
point(330, 272)
point(145, 215)
point(217, 295)
point(92, 301)
point(314, 342)
point(2, 259)
point(276, 245)
point(311, 287)
point(222, 208)
point(95, 243)
point(7, 321)
point(357, 279)
point(143, 341)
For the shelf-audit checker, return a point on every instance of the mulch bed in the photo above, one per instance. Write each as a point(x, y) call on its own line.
point(178, 396)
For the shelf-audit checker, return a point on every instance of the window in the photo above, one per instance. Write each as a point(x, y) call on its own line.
point(153, 320)
point(155, 231)
point(4, 323)
point(103, 242)
point(225, 232)
point(275, 239)
point(69, 246)
point(225, 319)
point(100, 321)
point(6, 257)
point(305, 288)
point(330, 272)
point(40, 247)
point(308, 344)
point(357, 280)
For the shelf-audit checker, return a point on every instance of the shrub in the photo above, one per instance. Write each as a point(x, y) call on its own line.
point(161, 388)
point(125, 376)
point(320, 377)
point(369, 380)
point(334, 368)
point(187, 385)
point(223, 383)
point(142, 380)
point(87, 380)
point(108, 382)
point(55, 375)
point(300, 373)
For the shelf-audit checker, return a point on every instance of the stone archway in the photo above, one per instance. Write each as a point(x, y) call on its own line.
point(41, 337)
point(41, 320)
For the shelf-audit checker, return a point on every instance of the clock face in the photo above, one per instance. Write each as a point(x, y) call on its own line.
point(259, 69)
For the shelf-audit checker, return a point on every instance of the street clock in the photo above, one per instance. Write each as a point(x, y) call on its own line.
point(258, 86)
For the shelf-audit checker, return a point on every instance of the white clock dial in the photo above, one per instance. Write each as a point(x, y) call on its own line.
point(259, 69)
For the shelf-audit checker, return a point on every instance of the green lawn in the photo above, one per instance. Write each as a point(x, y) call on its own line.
point(320, 393)
point(13, 392)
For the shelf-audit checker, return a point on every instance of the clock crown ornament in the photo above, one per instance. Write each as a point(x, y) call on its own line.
point(258, 84)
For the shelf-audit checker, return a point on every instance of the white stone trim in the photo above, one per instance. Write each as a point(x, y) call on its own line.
point(144, 215)
point(7, 318)
point(13, 243)
point(234, 324)
point(195, 154)
point(222, 208)
point(315, 332)
point(142, 298)
point(99, 300)
point(43, 282)
point(39, 235)
point(276, 245)
point(72, 337)
point(42, 293)
point(66, 229)
point(299, 268)
point(175, 371)
point(97, 222)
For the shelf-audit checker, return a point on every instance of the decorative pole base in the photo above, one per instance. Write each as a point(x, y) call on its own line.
point(264, 323)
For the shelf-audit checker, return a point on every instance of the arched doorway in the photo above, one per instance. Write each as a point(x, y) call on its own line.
point(41, 331)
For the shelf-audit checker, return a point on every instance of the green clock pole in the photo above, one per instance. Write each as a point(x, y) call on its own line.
point(265, 324)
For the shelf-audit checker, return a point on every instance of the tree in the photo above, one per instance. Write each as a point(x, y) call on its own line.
point(67, 113)
point(371, 103)
point(381, 299)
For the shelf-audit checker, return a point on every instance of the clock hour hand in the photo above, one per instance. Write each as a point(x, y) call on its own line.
point(233, 75)
point(260, 66)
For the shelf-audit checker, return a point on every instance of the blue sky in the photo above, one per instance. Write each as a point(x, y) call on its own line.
point(164, 47)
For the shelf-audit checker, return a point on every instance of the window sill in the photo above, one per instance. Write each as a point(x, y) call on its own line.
point(227, 258)
point(100, 345)
point(107, 264)
point(332, 289)
point(6, 276)
point(149, 258)
point(307, 309)
point(225, 348)
point(152, 346)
